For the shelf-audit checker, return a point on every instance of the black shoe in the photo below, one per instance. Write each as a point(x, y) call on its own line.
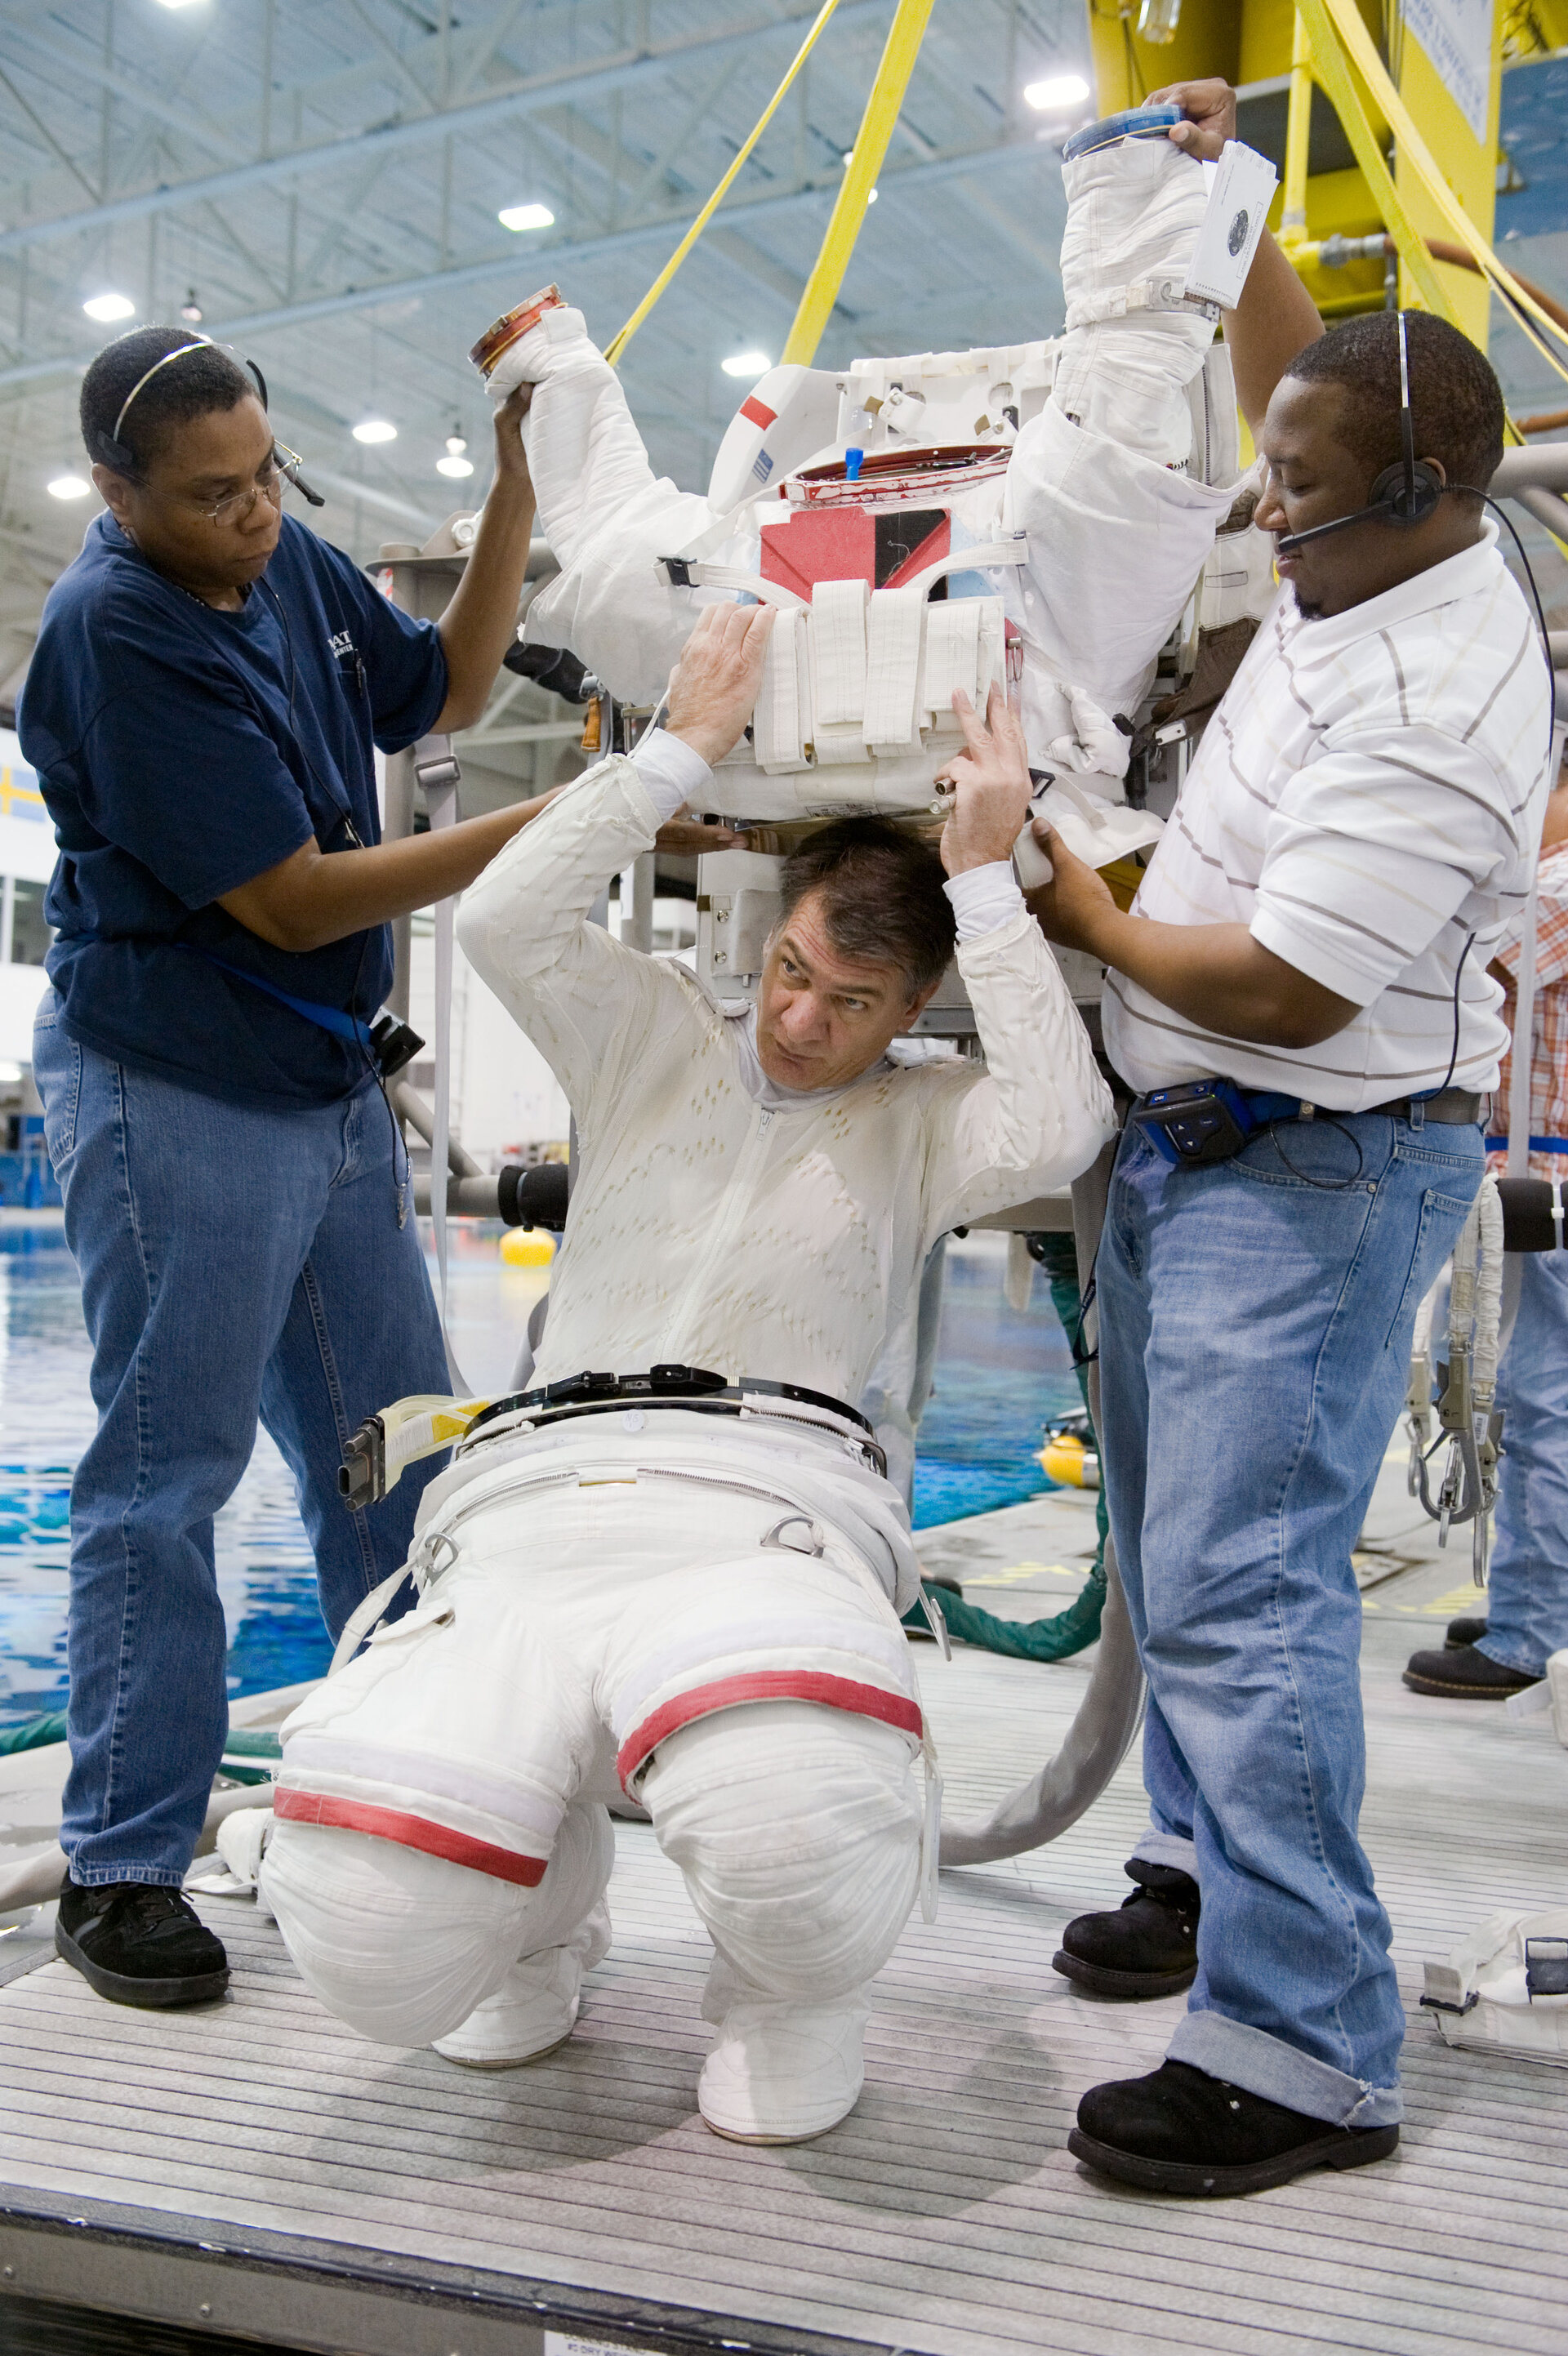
point(1464, 1631)
point(138, 1943)
point(1179, 2130)
point(1463, 1674)
point(1148, 1946)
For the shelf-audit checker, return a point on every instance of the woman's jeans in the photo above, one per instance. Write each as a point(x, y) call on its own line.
point(1527, 1602)
point(233, 1264)
point(1255, 1332)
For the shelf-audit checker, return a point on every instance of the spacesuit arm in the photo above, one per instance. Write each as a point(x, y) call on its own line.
point(588, 1003)
point(1038, 1112)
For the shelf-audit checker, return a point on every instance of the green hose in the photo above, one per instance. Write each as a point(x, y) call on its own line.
point(240, 1745)
point(34, 1735)
point(1055, 1639)
point(1069, 1632)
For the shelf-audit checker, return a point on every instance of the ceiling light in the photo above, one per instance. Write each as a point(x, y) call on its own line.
point(456, 445)
point(745, 364)
point(455, 466)
point(522, 216)
point(871, 198)
point(68, 487)
point(375, 429)
point(110, 306)
point(174, 3)
point(190, 310)
point(1055, 93)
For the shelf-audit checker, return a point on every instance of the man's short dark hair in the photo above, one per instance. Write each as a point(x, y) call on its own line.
point(191, 386)
point(1456, 401)
point(881, 896)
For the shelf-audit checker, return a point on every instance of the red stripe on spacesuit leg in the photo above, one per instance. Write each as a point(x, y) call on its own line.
point(764, 1684)
point(409, 1832)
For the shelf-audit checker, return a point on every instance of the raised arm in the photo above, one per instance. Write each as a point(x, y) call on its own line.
point(583, 999)
point(1039, 1112)
point(524, 927)
point(1276, 316)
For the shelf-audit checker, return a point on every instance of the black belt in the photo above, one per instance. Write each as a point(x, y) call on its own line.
point(687, 1387)
point(1196, 1122)
point(1458, 1105)
point(1448, 1105)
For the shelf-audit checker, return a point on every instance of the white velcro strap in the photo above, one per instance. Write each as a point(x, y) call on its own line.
point(1166, 292)
point(836, 637)
point(952, 652)
point(781, 725)
point(893, 627)
point(1014, 551)
point(731, 576)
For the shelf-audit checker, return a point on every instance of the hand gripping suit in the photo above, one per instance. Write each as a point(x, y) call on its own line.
point(701, 1610)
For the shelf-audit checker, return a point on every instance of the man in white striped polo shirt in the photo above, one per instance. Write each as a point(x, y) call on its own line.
point(1313, 934)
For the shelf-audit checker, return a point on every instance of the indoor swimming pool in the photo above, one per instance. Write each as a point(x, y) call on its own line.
point(1000, 1374)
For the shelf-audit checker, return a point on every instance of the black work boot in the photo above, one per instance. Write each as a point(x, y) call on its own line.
point(1179, 2130)
point(1148, 1946)
point(136, 1942)
point(1464, 1631)
point(1463, 1674)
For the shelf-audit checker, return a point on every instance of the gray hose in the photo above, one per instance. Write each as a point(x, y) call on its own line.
point(1111, 1711)
point(38, 1879)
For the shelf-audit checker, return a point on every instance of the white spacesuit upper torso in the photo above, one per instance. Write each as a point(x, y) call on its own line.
point(1085, 460)
point(710, 1228)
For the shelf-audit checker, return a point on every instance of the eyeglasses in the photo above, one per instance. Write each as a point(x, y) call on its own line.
point(268, 485)
point(280, 468)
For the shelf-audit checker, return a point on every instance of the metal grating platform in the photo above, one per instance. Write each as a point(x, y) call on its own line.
point(258, 2158)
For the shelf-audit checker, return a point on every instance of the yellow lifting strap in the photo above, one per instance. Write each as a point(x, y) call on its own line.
point(614, 350)
point(1324, 19)
point(822, 292)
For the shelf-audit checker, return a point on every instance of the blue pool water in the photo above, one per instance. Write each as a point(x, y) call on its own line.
point(1000, 1374)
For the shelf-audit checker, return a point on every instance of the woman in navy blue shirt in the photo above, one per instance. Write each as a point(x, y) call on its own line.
point(208, 683)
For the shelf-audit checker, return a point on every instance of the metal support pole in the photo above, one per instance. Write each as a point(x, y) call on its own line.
point(399, 823)
point(1298, 139)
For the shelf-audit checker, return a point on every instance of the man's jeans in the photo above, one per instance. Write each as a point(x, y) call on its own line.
point(1255, 1324)
point(1526, 1608)
point(234, 1263)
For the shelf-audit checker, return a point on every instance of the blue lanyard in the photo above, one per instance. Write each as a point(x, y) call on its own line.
point(347, 1027)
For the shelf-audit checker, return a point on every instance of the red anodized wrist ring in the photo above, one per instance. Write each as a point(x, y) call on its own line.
point(502, 333)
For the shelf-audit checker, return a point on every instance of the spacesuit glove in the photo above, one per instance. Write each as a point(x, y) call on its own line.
point(1095, 742)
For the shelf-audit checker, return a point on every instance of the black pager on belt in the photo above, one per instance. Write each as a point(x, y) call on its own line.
point(1196, 1122)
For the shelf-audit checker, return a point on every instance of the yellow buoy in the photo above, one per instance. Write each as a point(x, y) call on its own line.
point(527, 1248)
point(1065, 1458)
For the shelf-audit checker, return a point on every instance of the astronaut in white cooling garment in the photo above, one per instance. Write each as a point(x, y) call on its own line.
point(696, 1604)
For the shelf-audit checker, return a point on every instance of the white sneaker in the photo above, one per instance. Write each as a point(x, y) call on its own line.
point(781, 2073)
point(535, 2011)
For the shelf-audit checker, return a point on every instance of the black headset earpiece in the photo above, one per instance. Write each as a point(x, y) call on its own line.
point(1407, 493)
point(105, 451)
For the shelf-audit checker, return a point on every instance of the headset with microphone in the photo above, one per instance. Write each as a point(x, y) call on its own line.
point(109, 451)
point(1406, 493)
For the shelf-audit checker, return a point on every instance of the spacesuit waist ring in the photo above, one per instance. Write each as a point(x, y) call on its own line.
point(693, 1388)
